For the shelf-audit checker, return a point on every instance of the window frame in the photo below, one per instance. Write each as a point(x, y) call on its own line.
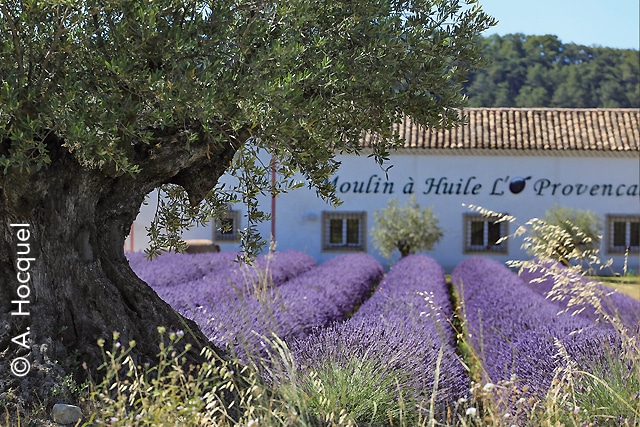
point(330, 217)
point(234, 234)
point(474, 218)
point(610, 222)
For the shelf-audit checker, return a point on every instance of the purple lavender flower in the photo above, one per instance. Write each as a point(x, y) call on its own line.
point(172, 268)
point(513, 328)
point(313, 299)
point(186, 281)
point(401, 331)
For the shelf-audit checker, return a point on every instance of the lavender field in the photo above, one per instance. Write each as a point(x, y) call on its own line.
point(403, 331)
point(516, 330)
point(345, 317)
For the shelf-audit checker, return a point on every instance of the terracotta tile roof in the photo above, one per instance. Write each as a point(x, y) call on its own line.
point(540, 129)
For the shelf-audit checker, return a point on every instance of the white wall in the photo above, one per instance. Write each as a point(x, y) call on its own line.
point(605, 185)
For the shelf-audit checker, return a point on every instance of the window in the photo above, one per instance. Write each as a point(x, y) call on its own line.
point(344, 231)
point(623, 233)
point(483, 234)
point(227, 227)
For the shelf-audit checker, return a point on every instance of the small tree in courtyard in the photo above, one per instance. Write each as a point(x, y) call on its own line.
point(566, 235)
point(407, 228)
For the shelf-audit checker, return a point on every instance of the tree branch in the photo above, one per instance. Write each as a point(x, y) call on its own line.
point(53, 47)
point(16, 40)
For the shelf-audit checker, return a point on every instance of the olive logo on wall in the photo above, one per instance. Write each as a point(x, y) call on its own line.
point(517, 184)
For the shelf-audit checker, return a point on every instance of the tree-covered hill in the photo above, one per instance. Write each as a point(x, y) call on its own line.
point(541, 71)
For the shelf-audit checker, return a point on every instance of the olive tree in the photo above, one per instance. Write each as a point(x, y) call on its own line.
point(566, 235)
point(102, 102)
point(408, 228)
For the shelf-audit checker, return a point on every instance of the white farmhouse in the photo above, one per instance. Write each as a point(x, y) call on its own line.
point(509, 160)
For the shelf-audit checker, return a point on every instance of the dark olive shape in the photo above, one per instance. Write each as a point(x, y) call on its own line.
point(517, 184)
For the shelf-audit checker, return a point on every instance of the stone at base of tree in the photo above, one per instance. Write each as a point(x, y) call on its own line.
point(198, 246)
point(66, 414)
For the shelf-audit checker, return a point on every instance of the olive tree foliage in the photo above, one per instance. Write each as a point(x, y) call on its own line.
point(114, 82)
point(408, 228)
point(566, 235)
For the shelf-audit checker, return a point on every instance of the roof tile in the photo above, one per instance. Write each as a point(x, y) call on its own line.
point(530, 129)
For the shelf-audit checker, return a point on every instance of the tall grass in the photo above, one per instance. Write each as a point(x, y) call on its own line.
point(218, 393)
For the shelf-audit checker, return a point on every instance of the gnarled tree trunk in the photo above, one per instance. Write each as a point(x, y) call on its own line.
point(64, 278)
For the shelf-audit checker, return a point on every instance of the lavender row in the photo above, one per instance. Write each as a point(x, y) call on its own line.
point(170, 268)
point(221, 277)
point(402, 328)
point(316, 298)
point(513, 328)
point(579, 293)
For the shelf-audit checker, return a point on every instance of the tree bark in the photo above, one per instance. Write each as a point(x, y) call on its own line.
point(403, 248)
point(64, 279)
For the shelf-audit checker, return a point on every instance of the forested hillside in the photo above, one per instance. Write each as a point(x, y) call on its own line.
point(541, 71)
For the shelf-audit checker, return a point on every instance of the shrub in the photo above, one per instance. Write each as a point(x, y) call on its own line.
point(408, 228)
point(566, 235)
